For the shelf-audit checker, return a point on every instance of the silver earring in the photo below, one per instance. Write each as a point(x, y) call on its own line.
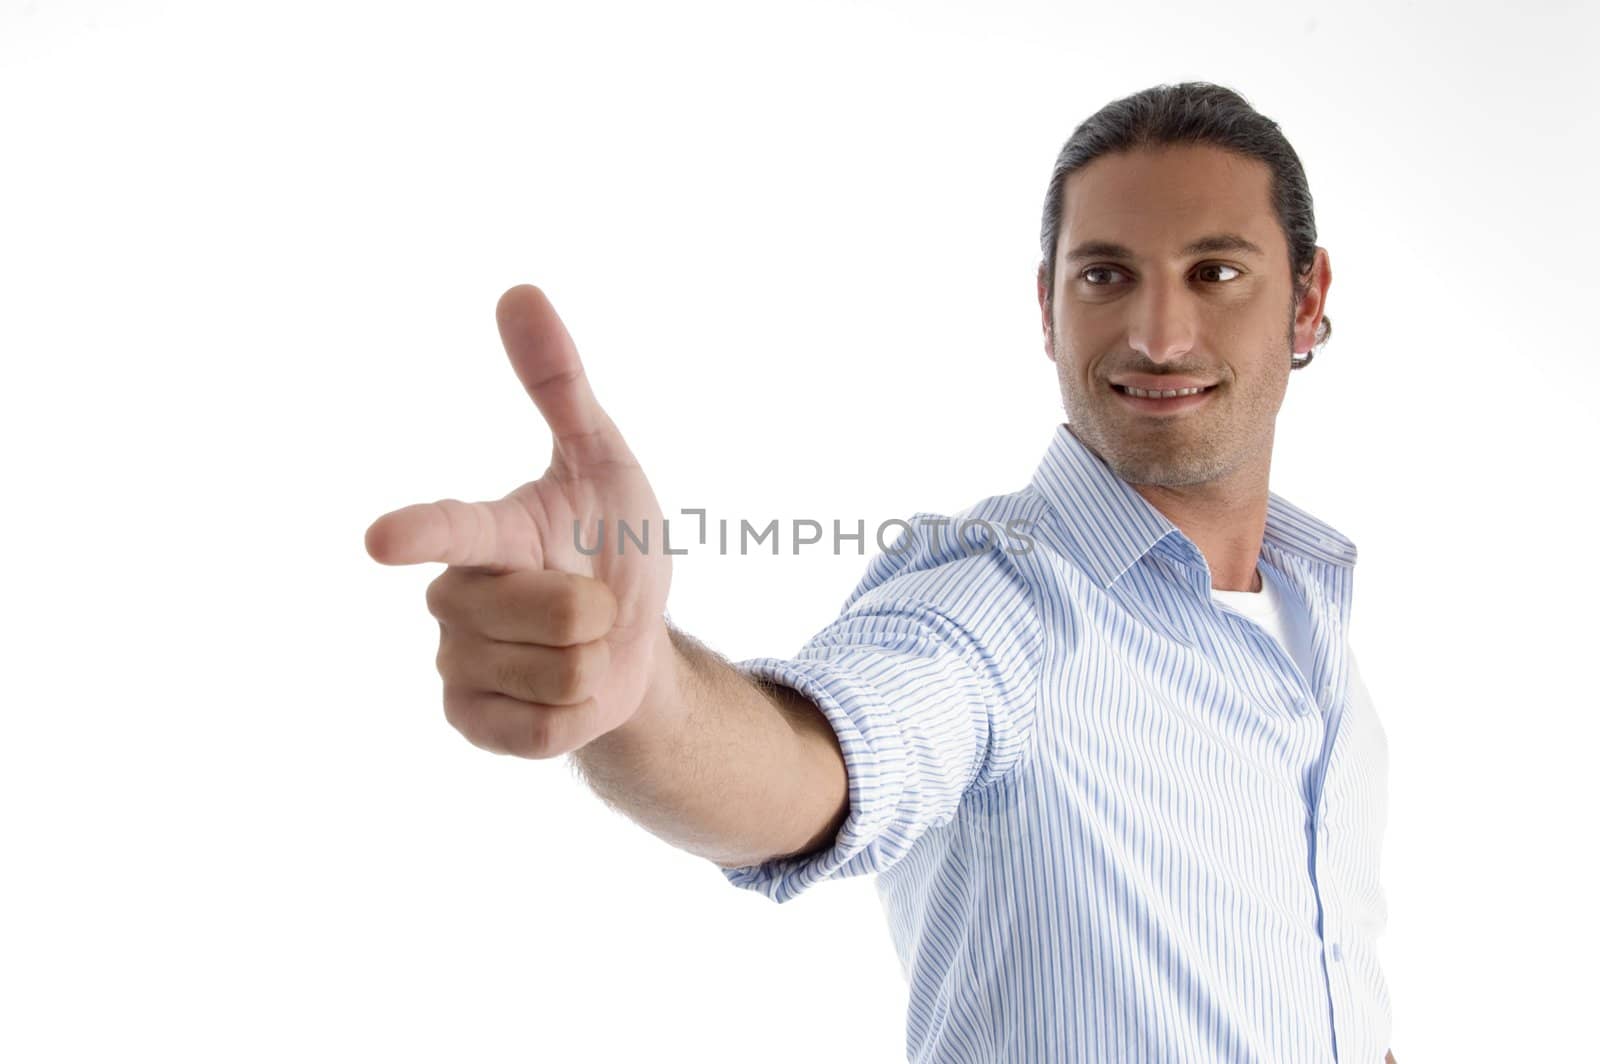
point(1301, 363)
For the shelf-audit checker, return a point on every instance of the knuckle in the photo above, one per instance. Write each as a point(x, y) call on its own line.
point(570, 676)
point(513, 677)
point(533, 737)
point(573, 675)
point(539, 739)
point(437, 595)
point(458, 659)
point(585, 667)
point(531, 732)
point(565, 609)
point(458, 710)
point(558, 613)
point(561, 678)
point(468, 715)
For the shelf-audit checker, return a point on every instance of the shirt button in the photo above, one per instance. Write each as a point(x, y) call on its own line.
point(1338, 954)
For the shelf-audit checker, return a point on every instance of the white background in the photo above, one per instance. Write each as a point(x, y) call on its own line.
point(248, 267)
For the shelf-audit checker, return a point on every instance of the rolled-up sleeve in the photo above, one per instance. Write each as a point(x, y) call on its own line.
point(929, 677)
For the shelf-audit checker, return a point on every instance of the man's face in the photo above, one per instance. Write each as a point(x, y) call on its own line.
point(1152, 308)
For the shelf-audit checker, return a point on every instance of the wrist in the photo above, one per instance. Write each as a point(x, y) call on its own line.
point(661, 708)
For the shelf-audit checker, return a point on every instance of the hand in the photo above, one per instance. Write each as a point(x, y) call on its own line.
point(544, 647)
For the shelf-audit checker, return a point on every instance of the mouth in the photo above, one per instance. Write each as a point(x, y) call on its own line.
point(1165, 400)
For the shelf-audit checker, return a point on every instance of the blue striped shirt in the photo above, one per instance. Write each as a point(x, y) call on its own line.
point(1110, 817)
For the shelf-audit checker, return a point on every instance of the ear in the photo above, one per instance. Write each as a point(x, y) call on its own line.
point(1309, 307)
point(1044, 314)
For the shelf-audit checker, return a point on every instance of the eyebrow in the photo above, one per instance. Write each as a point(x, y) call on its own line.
point(1102, 249)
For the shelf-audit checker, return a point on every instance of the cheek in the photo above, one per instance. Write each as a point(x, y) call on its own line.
point(1078, 349)
point(1071, 365)
point(1094, 328)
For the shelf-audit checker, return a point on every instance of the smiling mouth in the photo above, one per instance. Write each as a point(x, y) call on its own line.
point(1165, 402)
point(1169, 393)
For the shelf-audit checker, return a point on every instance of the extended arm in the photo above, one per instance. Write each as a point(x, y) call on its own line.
point(722, 766)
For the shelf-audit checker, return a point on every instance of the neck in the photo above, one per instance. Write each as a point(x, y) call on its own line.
point(1225, 518)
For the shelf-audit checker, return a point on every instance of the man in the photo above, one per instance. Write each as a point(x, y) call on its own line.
point(1119, 779)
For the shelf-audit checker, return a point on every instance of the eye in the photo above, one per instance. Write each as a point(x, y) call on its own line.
point(1097, 269)
point(1220, 266)
point(1206, 273)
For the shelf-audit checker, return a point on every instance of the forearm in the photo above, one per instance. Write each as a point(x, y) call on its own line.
point(720, 766)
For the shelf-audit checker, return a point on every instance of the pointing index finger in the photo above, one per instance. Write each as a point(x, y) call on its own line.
point(492, 535)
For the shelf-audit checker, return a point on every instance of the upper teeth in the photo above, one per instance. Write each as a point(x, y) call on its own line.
point(1131, 390)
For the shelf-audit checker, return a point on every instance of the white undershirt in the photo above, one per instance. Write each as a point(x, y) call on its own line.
point(1278, 611)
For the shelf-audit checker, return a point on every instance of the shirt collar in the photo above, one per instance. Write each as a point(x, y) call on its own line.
point(1110, 526)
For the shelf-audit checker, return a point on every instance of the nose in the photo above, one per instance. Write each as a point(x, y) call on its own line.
point(1162, 327)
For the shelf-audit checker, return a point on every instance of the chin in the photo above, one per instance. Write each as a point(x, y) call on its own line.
point(1170, 463)
point(1165, 473)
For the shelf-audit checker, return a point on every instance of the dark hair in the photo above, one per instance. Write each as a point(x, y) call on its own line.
point(1193, 112)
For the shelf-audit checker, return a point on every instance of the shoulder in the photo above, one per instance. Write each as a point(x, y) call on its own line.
point(965, 565)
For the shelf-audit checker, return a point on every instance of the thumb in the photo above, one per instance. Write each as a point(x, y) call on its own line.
point(546, 361)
